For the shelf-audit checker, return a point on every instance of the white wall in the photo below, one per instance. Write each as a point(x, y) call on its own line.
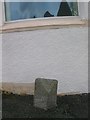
point(60, 54)
point(0, 58)
point(0, 43)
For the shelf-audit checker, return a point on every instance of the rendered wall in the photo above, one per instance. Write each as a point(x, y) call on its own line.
point(60, 54)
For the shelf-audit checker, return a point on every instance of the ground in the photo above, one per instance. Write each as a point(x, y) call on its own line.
point(68, 106)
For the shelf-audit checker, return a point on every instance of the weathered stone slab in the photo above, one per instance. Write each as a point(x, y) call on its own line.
point(45, 94)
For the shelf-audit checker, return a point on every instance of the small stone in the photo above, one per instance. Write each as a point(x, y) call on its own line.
point(45, 94)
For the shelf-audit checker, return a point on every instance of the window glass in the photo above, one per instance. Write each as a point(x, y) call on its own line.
point(29, 10)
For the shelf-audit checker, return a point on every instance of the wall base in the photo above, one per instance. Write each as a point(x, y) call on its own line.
point(24, 89)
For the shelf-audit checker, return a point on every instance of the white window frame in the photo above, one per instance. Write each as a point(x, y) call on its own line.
point(82, 11)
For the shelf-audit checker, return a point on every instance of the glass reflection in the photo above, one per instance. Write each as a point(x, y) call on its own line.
point(26, 10)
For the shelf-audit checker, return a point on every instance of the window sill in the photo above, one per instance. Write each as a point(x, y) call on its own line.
point(23, 25)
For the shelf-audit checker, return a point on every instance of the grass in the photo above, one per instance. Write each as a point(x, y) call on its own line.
point(69, 106)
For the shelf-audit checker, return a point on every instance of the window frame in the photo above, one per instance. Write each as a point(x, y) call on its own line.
point(82, 15)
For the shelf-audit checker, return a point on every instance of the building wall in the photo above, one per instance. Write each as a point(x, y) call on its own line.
point(60, 54)
point(0, 58)
point(0, 43)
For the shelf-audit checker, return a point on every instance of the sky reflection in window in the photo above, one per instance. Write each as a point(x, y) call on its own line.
point(27, 10)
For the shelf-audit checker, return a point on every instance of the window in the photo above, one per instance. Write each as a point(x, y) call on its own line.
point(31, 10)
point(22, 16)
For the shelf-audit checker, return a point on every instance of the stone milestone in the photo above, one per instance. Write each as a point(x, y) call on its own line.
point(45, 94)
